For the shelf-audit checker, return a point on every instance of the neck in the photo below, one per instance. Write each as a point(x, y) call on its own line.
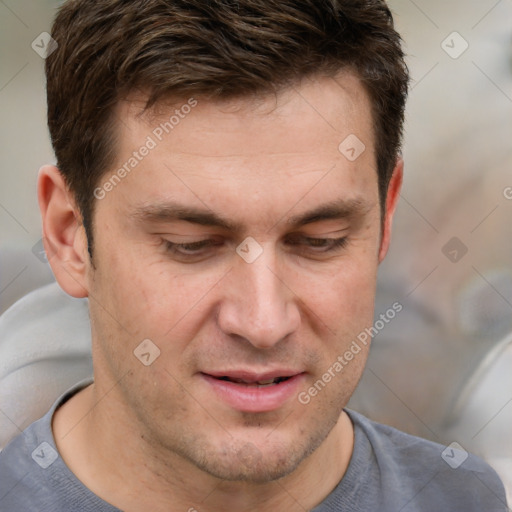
point(110, 455)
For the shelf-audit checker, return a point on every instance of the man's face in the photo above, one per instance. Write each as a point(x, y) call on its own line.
point(228, 313)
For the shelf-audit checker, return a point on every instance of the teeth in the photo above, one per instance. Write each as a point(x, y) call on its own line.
point(266, 382)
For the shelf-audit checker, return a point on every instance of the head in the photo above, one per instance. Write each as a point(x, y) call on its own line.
point(207, 198)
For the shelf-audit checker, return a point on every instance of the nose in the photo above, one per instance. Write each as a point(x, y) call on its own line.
point(259, 305)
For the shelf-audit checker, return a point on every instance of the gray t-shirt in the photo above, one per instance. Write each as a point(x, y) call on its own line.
point(389, 471)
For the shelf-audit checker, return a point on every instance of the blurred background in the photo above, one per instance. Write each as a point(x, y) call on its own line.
point(442, 367)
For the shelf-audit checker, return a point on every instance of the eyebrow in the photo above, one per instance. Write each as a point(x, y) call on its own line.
point(174, 211)
point(334, 210)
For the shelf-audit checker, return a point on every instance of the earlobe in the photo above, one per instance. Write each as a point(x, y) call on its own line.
point(64, 236)
point(393, 193)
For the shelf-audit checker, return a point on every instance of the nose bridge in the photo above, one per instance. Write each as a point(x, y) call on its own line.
point(265, 295)
point(260, 306)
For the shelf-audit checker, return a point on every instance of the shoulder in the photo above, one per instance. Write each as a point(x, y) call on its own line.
point(416, 474)
point(24, 464)
point(34, 477)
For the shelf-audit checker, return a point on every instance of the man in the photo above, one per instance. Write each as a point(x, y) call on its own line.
point(226, 178)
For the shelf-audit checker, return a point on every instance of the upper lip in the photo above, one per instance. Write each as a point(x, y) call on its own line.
point(249, 376)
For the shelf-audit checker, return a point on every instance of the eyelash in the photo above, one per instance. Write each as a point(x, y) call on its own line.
point(335, 244)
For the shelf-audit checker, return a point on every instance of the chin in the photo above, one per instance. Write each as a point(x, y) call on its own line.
point(244, 461)
point(243, 468)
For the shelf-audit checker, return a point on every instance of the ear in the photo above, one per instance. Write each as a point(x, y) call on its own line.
point(393, 193)
point(64, 236)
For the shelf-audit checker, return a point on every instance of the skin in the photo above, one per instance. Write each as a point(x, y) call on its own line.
point(157, 437)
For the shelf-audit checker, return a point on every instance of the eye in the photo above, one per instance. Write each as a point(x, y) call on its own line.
point(318, 245)
point(189, 247)
point(198, 248)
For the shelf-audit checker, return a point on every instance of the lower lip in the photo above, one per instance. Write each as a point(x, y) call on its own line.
point(252, 398)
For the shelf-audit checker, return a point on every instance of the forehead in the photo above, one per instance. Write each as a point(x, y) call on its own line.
point(273, 148)
point(340, 103)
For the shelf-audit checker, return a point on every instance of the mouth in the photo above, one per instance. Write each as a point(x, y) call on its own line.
point(254, 392)
point(256, 384)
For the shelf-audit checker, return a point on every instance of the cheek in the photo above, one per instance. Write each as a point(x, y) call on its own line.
point(344, 300)
point(151, 300)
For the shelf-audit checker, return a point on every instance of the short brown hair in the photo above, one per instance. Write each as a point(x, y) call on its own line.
point(213, 49)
